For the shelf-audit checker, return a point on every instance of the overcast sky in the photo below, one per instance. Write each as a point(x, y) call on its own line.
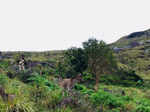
point(35, 25)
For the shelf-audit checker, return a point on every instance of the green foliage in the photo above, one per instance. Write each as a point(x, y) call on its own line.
point(42, 94)
point(67, 109)
point(46, 98)
point(23, 75)
point(87, 76)
point(21, 102)
point(83, 89)
point(77, 59)
point(143, 106)
point(47, 71)
point(126, 40)
point(3, 79)
point(38, 80)
point(4, 64)
point(108, 99)
point(61, 69)
point(100, 56)
point(113, 79)
point(129, 77)
point(18, 106)
point(21, 105)
point(55, 98)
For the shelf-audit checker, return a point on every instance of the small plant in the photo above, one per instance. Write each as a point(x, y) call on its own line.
point(3, 79)
point(55, 97)
point(19, 104)
point(143, 106)
point(45, 98)
point(42, 81)
point(67, 109)
point(87, 76)
point(22, 106)
point(4, 64)
point(83, 89)
point(108, 99)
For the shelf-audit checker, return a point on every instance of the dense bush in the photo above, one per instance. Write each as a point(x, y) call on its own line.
point(3, 79)
point(38, 80)
point(83, 89)
point(129, 78)
point(108, 99)
point(4, 64)
point(143, 105)
point(77, 59)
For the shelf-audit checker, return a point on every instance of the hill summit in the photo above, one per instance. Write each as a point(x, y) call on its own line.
point(133, 39)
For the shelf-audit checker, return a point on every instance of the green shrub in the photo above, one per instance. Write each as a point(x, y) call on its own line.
point(24, 75)
point(42, 81)
point(4, 64)
point(19, 104)
point(83, 89)
point(108, 99)
point(67, 109)
point(3, 79)
point(87, 76)
point(111, 79)
point(45, 98)
point(55, 97)
point(143, 105)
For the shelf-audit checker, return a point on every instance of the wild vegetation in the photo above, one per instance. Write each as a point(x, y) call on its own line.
point(88, 79)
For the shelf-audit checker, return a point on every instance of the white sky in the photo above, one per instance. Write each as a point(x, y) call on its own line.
point(59, 24)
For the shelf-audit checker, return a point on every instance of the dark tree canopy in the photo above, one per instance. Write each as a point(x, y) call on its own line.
point(77, 59)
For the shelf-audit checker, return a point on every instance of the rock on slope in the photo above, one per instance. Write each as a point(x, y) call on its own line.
point(134, 51)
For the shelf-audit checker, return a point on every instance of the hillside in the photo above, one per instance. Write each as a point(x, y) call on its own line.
point(134, 50)
point(131, 39)
point(37, 89)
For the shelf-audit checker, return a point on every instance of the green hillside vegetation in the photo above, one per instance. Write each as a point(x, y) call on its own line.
point(141, 36)
point(111, 82)
point(136, 57)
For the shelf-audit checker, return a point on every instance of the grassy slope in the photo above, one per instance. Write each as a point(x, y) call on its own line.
point(138, 58)
point(138, 100)
point(141, 36)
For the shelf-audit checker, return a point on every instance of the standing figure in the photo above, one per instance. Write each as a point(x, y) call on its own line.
point(21, 63)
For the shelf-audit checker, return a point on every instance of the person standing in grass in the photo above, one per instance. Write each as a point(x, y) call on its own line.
point(22, 63)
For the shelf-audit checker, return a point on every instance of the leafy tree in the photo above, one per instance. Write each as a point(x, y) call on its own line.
point(100, 58)
point(77, 59)
point(61, 68)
